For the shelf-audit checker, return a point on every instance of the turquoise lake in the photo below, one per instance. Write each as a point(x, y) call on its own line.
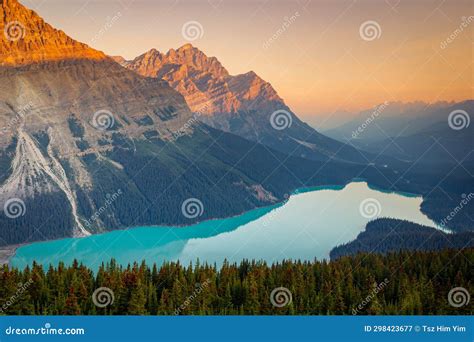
point(307, 226)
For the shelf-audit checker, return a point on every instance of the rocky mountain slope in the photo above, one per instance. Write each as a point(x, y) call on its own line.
point(27, 38)
point(89, 146)
point(245, 105)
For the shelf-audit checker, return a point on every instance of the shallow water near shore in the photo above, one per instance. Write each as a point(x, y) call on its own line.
point(307, 226)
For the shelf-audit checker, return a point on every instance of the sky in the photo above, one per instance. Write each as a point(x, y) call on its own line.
point(322, 61)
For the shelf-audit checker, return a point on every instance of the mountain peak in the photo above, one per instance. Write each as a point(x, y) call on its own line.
point(187, 46)
point(196, 59)
point(153, 51)
point(25, 38)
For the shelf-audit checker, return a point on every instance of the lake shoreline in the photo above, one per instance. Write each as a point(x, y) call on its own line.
point(7, 252)
point(10, 251)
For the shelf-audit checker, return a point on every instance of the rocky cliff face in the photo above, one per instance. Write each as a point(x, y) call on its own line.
point(204, 82)
point(88, 146)
point(245, 104)
point(27, 39)
point(61, 102)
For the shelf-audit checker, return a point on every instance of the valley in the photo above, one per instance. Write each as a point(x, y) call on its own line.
point(307, 226)
point(81, 128)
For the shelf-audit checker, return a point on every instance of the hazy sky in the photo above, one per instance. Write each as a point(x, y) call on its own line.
point(319, 63)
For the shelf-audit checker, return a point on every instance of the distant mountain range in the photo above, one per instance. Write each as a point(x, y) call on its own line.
point(244, 105)
point(413, 132)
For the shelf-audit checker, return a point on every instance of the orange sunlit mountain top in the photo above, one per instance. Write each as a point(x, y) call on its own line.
point(28, 39)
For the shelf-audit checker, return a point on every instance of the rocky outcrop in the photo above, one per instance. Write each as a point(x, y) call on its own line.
point(244, 105)
point(26, 39)
point(206, 85)
point(61, 102)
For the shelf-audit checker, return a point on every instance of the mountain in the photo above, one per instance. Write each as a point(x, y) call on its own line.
point(244, 105)
point(88, 146)
point(28, 39)
point(393, 119)
point(434, 144)
point(413, 132)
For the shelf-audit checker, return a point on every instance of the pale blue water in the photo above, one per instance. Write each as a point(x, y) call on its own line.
point(307, 226)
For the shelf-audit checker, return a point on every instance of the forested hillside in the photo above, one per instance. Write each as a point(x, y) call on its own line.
point(412, 283)
point(390, 235)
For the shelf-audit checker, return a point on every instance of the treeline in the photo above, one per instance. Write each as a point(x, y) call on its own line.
point(390, 235)
point(47, 216)
point(398, 283)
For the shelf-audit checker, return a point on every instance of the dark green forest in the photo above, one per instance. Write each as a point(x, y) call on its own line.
point(222, 178)
point(386, 235)
point(409, 283)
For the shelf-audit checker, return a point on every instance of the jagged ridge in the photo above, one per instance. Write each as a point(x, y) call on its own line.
point(26, 39)
point(242, 104)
